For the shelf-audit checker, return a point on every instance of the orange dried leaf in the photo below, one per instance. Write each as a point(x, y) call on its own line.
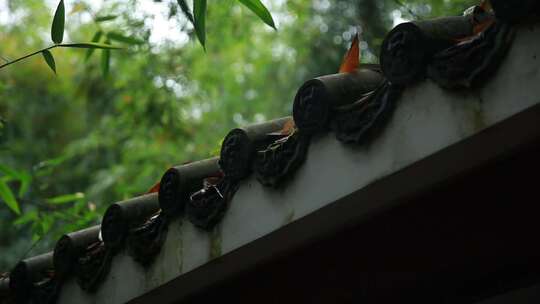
point(154, 189)
point(288, 127)
point(486, 5)
point(351, 61)
point(480, 27)
point(482, 19)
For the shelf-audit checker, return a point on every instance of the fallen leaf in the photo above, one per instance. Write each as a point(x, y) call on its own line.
point(351, 61)
point(288, 127)
point(154, 189)
point(479, 28)
point(486, 5)
point(482, 18)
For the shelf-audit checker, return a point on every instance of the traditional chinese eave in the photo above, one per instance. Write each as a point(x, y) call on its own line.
point(276, 188)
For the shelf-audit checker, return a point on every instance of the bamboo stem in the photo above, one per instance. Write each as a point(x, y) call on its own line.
point(29, 55)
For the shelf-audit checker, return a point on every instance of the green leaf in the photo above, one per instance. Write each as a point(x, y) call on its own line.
point(95, 39)
point(105, 18)
point(25, 178)
point(46, 222)
point(57, 29)
point(121, 38)
point(260, 10)
point(9, 198)
point(6, 179)
point(27, 217)
point(67, 198)
point(199, 16)
point(185, 10)
point(9, 172)
point(105, 62)
point(78, 7)
point(48, 164)
point(91, 45)
point(49, 59)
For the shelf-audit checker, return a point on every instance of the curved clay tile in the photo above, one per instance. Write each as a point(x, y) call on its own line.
point(179, 182)
point(241, 144)
point(70, 247)
point(316, 99)
point(122, 216)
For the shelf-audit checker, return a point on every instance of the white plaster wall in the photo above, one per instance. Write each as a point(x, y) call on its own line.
point(427, 119)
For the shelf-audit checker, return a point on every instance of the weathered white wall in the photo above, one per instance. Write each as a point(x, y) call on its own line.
point(426, 120)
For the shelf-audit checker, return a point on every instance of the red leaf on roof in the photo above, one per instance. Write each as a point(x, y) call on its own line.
point(480, 27)
point(351, 61)
point(485, 18)
point(288, 127)
point(486, 5)
point(155, 188)
point(482, 18)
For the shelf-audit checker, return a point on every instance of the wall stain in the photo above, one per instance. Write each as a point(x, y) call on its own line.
point(180, 249)
point(478, 119)
point(215, 242)
point(290, 217)
point(468, 106)
point(148, 278)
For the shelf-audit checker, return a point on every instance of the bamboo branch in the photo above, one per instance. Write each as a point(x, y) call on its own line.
point(29, 55)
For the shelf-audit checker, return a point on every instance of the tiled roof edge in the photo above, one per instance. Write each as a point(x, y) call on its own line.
point(274, 152)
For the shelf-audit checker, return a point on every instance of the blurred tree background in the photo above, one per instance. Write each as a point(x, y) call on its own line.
point(71, 144)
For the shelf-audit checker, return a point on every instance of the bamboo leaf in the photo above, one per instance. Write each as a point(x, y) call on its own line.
point(91, 45)
point(46, 222)
point(49, 164)
point(6, 179)
point(125, 39)
point(27, 217)
point(49, 59)
point(185, 10)
point(9, 172)
point(57, 29)
point(260, 10)
point(105, 18)
point(199, 16)
point(25, 179)
point(66, 198)
point(9, 199)
point(95, 39)
point(105, 61)
point(78, 7)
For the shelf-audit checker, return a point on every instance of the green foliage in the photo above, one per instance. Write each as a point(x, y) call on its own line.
point(260, 10)
point(57, 36)
point(49, 59)
point(66, 198)
point(57, 29)
point(6, 194)
point(105, 18)
point(72, 145)
point(105, 61)
point(185, 10)
point(95, 39)
point(115, 36)
point(8, 197)
point(91, 45)
point(199, 20)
